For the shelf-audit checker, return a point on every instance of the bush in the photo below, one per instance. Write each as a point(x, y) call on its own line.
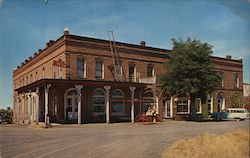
point(6, 115)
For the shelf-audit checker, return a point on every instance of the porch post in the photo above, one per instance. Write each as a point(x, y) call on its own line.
point(29, 107)
point(132, 89)
point(78, 89)
point(46, 90)
point(18, 108)
point(37, 105)
point(171, 106)
point(107, 88)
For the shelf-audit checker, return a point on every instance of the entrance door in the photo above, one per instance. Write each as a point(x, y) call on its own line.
point(220, 101)
point(72, 105)
point(167, 109)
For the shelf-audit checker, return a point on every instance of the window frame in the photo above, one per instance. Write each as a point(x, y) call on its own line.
point(98, 96)
point(118, 98)
point(82, 69)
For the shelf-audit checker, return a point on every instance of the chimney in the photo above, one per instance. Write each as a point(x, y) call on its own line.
point(142, 43)
point(66, 31)
point(228, 56)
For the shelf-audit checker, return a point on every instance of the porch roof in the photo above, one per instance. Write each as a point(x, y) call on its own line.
point(69, 83)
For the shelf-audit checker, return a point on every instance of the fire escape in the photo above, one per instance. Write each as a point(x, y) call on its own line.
point(115, 68)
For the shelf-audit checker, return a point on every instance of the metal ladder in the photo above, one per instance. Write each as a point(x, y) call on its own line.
point(115, 57)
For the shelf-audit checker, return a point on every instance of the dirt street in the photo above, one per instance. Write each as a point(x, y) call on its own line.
point(101, 140)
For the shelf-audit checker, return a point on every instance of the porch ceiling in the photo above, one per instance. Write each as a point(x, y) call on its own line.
point(69, 83)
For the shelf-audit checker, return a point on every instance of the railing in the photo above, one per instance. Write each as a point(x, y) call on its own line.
point(148, 80)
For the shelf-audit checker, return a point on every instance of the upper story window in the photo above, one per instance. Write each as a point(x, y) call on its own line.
point(36, 76)
point(27, 80)
point(99, 66)
point(43, 73)
point(132, 72)
point(150, 70)
point(31, 78)
point(236, 81)
point(60, 73)
point(222, 78)
point(54, 71)
point(81, 68)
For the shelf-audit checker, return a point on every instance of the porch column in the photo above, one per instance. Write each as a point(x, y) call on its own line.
point(30, 107)
point(212, 104)
point(18, 108)
point(23, 107)
point(78, 89)
point(37, 105)
point(107, 88)
point(171, 106)
point(46, 90)
point(132, 89)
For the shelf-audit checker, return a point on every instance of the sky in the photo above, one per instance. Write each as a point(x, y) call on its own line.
point(25, 27)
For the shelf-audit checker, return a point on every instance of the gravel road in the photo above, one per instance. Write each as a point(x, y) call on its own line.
point(121, 140)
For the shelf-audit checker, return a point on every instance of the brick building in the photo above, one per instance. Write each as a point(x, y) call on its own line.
point(72, 80)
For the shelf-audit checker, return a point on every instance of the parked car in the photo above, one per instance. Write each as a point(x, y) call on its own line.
point(218, 116)
point(1, 119)
point(237, 113)
point(231, 114)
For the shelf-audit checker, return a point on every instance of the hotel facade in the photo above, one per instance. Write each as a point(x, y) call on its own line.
point(73, 79)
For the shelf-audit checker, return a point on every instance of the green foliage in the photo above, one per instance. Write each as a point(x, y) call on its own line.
point(236, 100)
point(6, 115)
point(190, 70)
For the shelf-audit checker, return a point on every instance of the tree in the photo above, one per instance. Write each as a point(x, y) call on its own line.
point(236, 101)
point(190, 71)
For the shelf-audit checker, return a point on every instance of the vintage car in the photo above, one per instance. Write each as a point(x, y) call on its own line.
point(231, 114)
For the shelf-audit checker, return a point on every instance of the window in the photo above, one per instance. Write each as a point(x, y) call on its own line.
point(150, 103)
point(117, 106)
point(81, 68)
point(60, 72)
point(150, 70)
point(209, 102)
point(54, 71)
point(222, 78)
point(43, 73)
point(31, 78)
point(54, 103)
point(220, 100)
point(36, 76)
point(27, 80)
point(99, 70)
point(98, 101)
point(236, 80)
point(132, 73)
point(198, 105)
point(182, 106)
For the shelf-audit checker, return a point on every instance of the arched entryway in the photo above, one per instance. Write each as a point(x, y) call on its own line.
point(71, 104)
point(220, 102)
point(167, 108)
point(117, 102)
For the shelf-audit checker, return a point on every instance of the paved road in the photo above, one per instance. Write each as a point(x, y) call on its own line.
point(101, 140)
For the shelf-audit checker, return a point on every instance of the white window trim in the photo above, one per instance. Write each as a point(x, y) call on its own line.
point(188, 112)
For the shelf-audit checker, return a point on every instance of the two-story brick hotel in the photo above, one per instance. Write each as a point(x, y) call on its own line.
point(72, 80)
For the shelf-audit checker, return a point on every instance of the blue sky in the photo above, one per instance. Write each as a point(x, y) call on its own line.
point(25, 27)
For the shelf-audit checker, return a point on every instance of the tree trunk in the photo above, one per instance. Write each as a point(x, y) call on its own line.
point(204, 105)
point(192, 106)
